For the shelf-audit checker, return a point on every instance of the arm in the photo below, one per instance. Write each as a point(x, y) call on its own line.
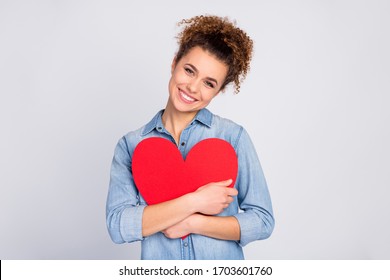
point(226, 228)
point(128, 220)
point(123, 207)
point(255, 222)
point(210, 199)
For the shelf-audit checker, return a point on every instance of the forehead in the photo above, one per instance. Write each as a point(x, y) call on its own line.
point(206, 63)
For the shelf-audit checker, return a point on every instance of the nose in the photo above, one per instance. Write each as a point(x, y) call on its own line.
point(193, 86)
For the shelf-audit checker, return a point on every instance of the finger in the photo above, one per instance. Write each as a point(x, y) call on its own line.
point(228, 182)
point(223, 183)
point(225, 205)
point(231, 191)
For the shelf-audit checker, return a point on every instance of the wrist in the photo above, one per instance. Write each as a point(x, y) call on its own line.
point(195, 223)
point(191, 203)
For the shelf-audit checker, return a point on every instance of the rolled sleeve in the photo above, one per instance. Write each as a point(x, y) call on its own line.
point(131, 223)
point(256, 219)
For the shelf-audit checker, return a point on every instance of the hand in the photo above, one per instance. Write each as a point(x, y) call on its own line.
point(213, 198)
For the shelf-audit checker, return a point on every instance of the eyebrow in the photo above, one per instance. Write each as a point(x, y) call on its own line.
point(208, 78)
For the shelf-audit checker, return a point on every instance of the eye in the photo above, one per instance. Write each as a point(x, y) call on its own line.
point(189, 70)
point(209, 84)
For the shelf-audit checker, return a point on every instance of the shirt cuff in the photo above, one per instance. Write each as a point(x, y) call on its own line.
point(249, 227)
point(131, 223)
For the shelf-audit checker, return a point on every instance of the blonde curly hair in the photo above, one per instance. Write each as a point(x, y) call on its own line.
point(222, 38)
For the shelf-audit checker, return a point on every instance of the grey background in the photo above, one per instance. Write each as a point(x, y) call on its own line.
point(77, 75)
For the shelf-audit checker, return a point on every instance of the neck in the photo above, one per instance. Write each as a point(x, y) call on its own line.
point(175, 121)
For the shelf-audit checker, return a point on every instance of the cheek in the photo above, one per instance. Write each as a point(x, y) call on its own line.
point(180, 77)
point(208, 95)
point(174, 79)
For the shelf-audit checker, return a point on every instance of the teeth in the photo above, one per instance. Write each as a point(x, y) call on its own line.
point(186, 97)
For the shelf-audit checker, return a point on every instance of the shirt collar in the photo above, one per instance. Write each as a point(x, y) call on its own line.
point(204, 117)
point(155, 123)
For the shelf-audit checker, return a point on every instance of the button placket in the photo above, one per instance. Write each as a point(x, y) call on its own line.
point(183, 141)
point(185, 249)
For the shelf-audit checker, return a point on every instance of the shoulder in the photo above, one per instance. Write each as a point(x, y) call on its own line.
point(224, 123)
point(131, 139)
point(227, 129)
point(127, 143)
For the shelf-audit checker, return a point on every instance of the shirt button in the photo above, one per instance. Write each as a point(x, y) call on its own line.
point(159, 128)
point(185, 244)
point(183, 143)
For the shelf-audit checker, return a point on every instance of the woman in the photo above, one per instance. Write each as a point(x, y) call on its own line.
point(212, 53)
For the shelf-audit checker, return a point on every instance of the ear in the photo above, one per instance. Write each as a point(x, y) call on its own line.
point(173, 65)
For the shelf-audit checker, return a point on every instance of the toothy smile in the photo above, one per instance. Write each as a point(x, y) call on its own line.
point(185, 97)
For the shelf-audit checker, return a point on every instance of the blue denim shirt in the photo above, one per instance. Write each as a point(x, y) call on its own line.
point(252, 206)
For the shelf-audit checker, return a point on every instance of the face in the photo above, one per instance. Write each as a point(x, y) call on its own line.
point(196, 79)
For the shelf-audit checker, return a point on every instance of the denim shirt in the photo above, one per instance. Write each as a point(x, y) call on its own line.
point(251, 207)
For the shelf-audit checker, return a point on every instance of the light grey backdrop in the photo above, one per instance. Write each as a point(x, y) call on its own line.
point(77, 75)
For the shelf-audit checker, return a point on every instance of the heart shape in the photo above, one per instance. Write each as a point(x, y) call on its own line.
point(161, 174)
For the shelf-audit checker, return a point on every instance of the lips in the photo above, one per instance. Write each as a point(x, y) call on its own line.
point(186, 98)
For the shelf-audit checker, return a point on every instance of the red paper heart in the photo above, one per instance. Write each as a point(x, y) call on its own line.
point(161, 174)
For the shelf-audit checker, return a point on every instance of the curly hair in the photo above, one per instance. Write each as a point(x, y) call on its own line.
point(222, 38)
